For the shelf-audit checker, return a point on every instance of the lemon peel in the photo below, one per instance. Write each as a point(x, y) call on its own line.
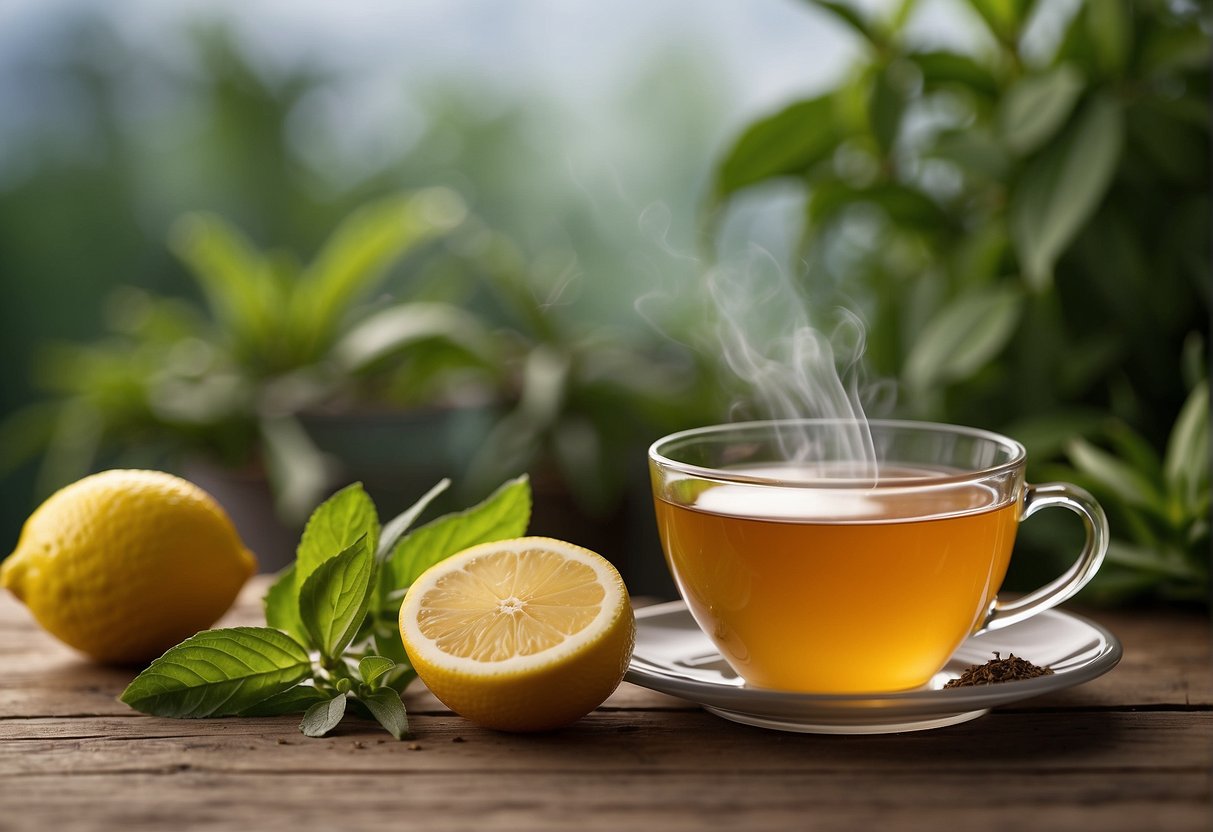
point(528, 634)
point(123, 564)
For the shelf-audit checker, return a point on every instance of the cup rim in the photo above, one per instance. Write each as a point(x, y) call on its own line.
point(1017, 450)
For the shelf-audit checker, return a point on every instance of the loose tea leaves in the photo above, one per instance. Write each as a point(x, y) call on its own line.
point(998, 669)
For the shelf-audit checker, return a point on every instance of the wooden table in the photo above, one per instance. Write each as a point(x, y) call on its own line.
point(1131, 751)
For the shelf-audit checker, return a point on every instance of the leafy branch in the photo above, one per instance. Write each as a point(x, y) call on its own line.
point(331, 645)
point(1024, 227)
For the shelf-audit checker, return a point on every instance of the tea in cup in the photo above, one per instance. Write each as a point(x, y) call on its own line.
point(814, 572)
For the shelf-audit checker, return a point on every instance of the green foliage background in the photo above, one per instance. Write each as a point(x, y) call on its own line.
point(186, 237)
point(1025, 228)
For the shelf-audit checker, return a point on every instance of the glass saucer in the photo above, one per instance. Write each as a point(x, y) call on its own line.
point(673, 656)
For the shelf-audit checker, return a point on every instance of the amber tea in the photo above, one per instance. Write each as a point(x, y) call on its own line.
point(774, 580)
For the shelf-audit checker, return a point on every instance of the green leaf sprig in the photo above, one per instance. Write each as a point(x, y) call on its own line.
point(331, 645)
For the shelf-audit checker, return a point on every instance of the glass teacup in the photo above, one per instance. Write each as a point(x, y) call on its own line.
point(824, 575)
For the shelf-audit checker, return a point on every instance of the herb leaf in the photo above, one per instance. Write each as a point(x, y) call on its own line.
point(333, 527)
point(386, 635)
point(504, 514)
point(370, 668)
point(323, 716)
point(387, 708)
point(334, 598)
point(398, 525)
point(218, 673)
point(282, 606)
point(294, 700)
point(399, 677)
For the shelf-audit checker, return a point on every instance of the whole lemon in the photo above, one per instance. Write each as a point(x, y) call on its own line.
point(124, 564)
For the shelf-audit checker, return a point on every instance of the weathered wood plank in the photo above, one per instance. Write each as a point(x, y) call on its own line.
point(77, 689)
point(71, 757)
point(727, 798)
point(1167, 663)
point(1111, 742)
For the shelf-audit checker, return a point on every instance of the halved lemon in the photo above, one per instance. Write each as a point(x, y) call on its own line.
point(520, 635)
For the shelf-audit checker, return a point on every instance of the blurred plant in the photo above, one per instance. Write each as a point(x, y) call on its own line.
point(275, 338)
point(587, 398)
point(1025, 226)
point(1159, 506)
point(111, 140)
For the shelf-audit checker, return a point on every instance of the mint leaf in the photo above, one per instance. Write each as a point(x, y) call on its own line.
point(323, 716)
point(399, 677)
point(334, 598)
point(386, 634)
point(282, 606)
point(372, 667)
point(334, 526)
point(387, 708)
point(294, 700)
point(399, 524)
point(218, 673)
point(503, 515)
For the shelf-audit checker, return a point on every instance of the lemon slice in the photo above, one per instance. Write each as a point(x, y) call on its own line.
point(520, 635)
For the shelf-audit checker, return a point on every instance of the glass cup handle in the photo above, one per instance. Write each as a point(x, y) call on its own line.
point(1077, 500)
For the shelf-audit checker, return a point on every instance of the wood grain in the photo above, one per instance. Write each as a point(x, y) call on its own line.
point(1129, 751)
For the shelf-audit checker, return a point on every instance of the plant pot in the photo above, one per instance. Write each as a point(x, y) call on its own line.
point(399, 455)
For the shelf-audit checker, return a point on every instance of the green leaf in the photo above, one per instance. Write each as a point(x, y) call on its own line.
point(504, 514)
point(1061, 189)
point(357, 255)
point(1045, 435)
point(370, 668)
point(323, 716)
point(950, 69)
point(907, 207)
point(975, 150)
point(391, 331)
point(399, 678)
point(334, 526)
point(1110, 27)
point(1114, 476)
point(1134, 450)
point(282, 606)
point(1142, 559)
point(1005, 18)
point(401, 523)
point(294, 700)
point(238, 283)
point(904, 206)
point(218, 673)
point(849, 15)
point(887, 104)
point(1036, 106)
point(963, 336)
point(1186, 465)
point(786, 143)
point(386, 634)
point(1175, 147)
point(387, 708)
point(1168, 50)
point(333, 600)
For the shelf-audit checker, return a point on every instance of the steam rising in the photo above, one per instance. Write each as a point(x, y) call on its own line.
point(781, 358)
point(790, 369)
